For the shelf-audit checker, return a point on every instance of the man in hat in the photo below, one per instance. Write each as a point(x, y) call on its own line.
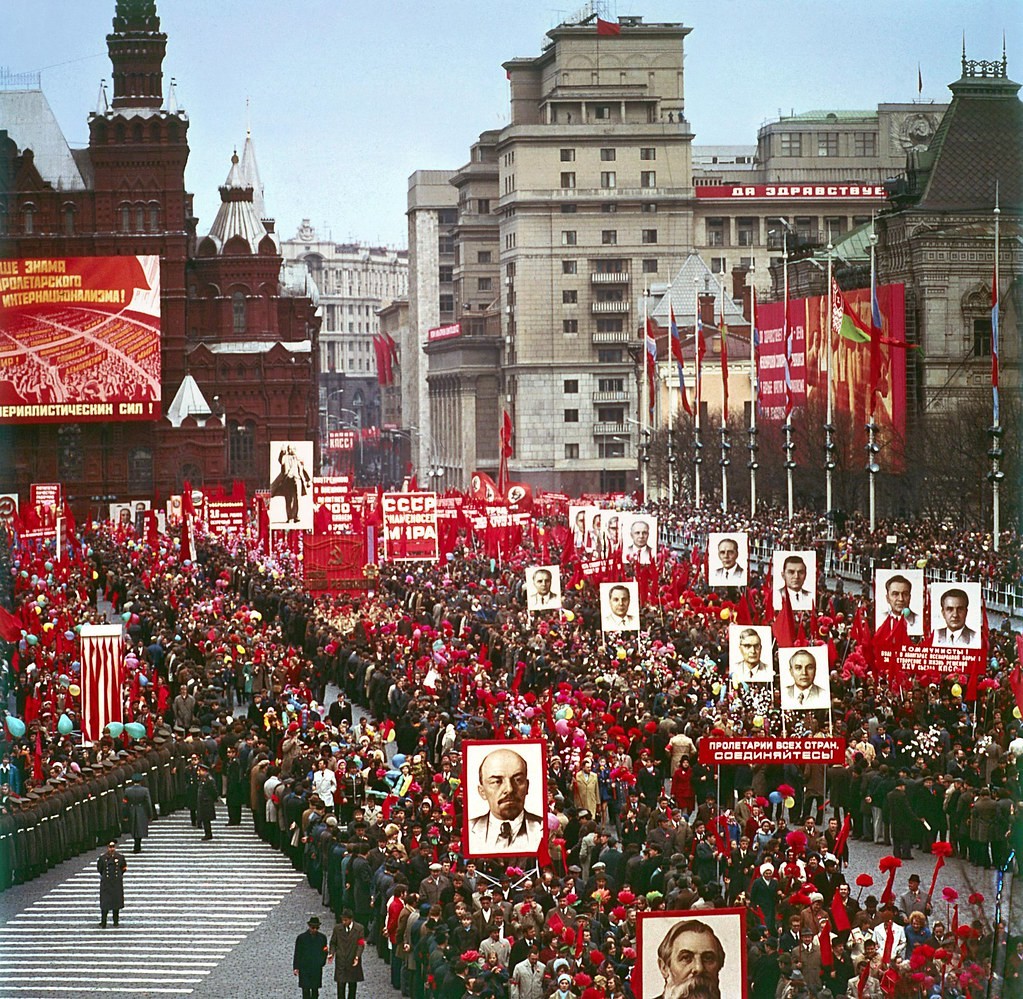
point(137, 811)
point(309, 958)
point(206, 801)
point(914, 900)
point(347, 943)
point(111, 866)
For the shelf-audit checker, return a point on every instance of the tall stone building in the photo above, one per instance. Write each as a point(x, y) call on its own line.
point(237, 328)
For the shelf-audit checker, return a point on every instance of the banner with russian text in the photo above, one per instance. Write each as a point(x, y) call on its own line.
point(80, 339)
point(333, 494)
point(716, 750)
point(410, 527)
point(225, 518)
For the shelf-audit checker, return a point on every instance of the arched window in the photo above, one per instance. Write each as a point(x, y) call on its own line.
point(69, 220)
point(125, 217)
point(238, 311)
point(241, 448)
point(192, 474)
point(154, 216)
point(140, 218)
point(140, 470)
point(29, 219)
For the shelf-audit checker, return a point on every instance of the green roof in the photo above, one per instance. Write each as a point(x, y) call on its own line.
point(830, 116)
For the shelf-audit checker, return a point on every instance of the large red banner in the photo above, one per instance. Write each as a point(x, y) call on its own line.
point(79, 339)
point(850, 371)
point(102, 649)
point(410, 527)
point(335, 493)
point(746, 750)
point(335, 564)
point(225, 517)
point(777, 192)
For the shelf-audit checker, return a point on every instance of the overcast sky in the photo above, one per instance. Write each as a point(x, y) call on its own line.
point(349, 97)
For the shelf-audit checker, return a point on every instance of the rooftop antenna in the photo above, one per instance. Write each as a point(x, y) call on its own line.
point(102, 104)
point(172, 96)
point(248, 118)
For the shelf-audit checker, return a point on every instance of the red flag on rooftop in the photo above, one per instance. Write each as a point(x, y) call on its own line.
point(608, 27)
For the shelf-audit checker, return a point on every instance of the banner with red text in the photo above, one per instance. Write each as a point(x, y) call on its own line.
point(410, 527)
point(79, 339)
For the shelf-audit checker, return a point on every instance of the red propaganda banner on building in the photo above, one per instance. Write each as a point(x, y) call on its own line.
point(225, 518)
point(410, 527)
point(341, 440)
point(715, 750)
point(850, 369)
point(80, 339)
point(443, 332)
point(334, 492)
point(778, 192)
point(336, 563)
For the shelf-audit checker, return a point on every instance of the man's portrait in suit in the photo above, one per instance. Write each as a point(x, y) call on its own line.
point(577, 524)
point(727, 559)
point(955, 616)
point(899, 593)
point(619, 606)
point(691, 955)
point(749, 653)
point(543, 588)
point(639, 532)
point(805, 683)
point(505, 794)
point(795, 574)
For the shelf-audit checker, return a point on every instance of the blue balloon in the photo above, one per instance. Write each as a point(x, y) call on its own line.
point(143, 680)
point(65, 726)
point(15, 726)
point(115, 729)
point(136, 730)
point(397, 760)
point(775, 798)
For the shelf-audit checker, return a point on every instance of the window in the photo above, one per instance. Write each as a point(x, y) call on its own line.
point(568, 209)
point(602, 111)
point(610, 325)
point(70, 460)
point(609, 208)
point(447, 303)
point(483, 206)
point(610, 414)
point(569, 266)
point(790, 144)
point(610, 384)
point(238, 311)
point(69, 220)
point(746, 231)
point(509, 241)
point(609, 356)
point(610, 448)
point(569, 325)
point(140, 218)
point(864, 143)
point(648, 152)
point(447, 216)
point(125, 218)
point(571, 386)
point(981, 337)
point(607, 179)
point(612, 481)
point(446, 244)
point(569, 297)
point(567, 180)
point(716, 231)
point(648, 178)
point(568, 237)
point(649, 207)
point(827, 144)
point(571, 415)
point(609, 237)
point(649, 236)
point(834, 227)
point(446, 275)
point(718, 265)
point(572, 452)
point(484, 284)
point(484, 257)
point(241, 448)
point(650, 266)
point(609, 265)
point(154, 218)
point(140, 470)
point(607, 156)
point(567, 155)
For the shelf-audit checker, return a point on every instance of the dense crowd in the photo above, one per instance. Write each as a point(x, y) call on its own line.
point(229, 664)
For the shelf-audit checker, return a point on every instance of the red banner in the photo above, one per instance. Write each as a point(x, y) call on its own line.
point(341, 440)
point(714, 750)
point(334, 493)
point(80, 339)
point(225, 517)
point(335, 563)
point(941, 659)
point(443, 332)
point(775, 192)
point(47, 493)
point(410, 527)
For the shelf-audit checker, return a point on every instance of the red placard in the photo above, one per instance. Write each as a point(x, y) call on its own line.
point(336, 564)
point(47, 493)
point(80, 339)
point(410, 527)
point(444, 332)
point(334, 493)
point(742, 749)
point(776, 192)
point(225, 517)
point(939, 659)
point(341, 440)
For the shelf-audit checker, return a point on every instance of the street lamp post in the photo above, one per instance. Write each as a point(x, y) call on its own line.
point(752, 446)
point(788, 446)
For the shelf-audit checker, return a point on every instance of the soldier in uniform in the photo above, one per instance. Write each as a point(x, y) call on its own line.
point(206, 798)
point(139, 811)
point(111, 866)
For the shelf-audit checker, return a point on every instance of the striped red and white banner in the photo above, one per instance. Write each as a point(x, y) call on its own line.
point(102, 653)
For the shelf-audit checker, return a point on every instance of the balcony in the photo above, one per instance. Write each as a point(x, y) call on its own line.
point(618, 336)
point(603, 308)
point(611, 396)
point(610, 429)
point(609, 277)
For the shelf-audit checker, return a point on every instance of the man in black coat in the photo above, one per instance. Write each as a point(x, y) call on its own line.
point(111, 867)
point(309, 958)
point(137, 811)
point(347, 943)
point(206, 801)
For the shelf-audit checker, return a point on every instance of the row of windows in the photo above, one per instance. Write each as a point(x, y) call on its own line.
point(608, 237)
point(608, 208)
point(608, 179)
point(571, 385)
point(609, 154)
point(605, 414)
point(606, 448)
point(650, 264)
point(801, 144)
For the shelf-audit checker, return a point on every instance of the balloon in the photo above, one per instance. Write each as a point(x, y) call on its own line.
point(775, 798)
point(561, 727)
point(524, 729)
point(579, 738)
point(74, 690)
point(95, 574)
point(69, 635)
point(790, 802)
point(552, 822)
point(906, 612)
point(48, 566)
point(32, 639)
point(391, 735)
point(1016, 713)
point(143, 680)
point(725, 613)
point(560, 714)
point(15, 726)
point(622, 654)
point(64, 725)
point(126, 616)
point(921, 563)
point(569, 615)
point(397, 760)
point(715, 688)
point(957, 691)
point(569, 713)
point(115, 729)
point(135, 730)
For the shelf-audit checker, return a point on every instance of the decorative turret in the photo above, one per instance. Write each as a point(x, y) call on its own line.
point(137, 47)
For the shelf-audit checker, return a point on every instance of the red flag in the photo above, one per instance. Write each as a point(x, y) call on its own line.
point(838, 914)
point(743, 614)
point(186, 498)
point(608, 27)
point(101, 678)
point(506, 451)
point(784, 626)
point(843, 837)
point(1016, 676)
point(824, 939)
point(186, 539)
point(10, 628)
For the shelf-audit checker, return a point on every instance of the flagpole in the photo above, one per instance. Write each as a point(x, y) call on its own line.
point(872, 467)
point(645, 423)
point(671, 419)
point(754, 391)
point(698, 444)
point(724, 402)
point(995, 431)
point(829, 426)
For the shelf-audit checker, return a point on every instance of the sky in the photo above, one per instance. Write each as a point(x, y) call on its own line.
point(345, 99)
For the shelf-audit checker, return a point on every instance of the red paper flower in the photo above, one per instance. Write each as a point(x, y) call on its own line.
point(888, 864)
point(917, 960)
point(470, 956)
point(596, 957)
point(582, 980)
point(360, 942)
point(942, 954)
point(629, 953)
point(626, 897)
point(949, 894)
point(864, 881)
point(786, 790)
point(964, 932)
point(976, 898)
point(619, 912)
point(925, 950)
point(797, 840)
point(941, 849)
point(800, 898)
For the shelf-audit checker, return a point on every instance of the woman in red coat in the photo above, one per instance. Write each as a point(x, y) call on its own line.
point(682, 786)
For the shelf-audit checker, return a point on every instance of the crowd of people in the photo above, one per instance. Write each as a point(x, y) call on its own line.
point(228, 667)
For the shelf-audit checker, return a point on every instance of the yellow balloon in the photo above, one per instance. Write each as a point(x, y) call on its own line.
point(622, 654)
point(579, 585)
point(569, 615)
point(74, 690)
point(391, 735)
point(569, 714)
point(725, 613)
point(241, 649)
point(758, 722)
point(921, 563)
point(957, 691)
point(1016, 713)
point(715, 688)
point(789, 802)
point(95, 574)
